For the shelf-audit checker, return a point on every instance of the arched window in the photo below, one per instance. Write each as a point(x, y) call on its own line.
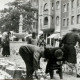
point(57, 5)
point(52, 6)
point(45, 7)
point(46, 21)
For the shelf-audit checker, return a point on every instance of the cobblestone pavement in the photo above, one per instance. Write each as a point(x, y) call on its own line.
point(18, 60)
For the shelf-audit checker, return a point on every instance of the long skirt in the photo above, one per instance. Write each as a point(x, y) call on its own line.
point(70, 53)
point(6, 51)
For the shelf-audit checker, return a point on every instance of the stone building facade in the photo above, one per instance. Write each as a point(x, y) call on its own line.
point(58, 16)
point(70, 17)
point(49, 18)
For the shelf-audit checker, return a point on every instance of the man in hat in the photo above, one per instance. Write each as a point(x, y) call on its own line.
point(31, 55)
point(69, 41)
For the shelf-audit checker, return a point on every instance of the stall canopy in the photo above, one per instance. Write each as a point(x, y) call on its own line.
point(0, 35)
point(40, 33)
point(55, 35)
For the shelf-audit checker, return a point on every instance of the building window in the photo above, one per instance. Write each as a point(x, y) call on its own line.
point(67, 6)
point(57, 5)
point(78, 19)
point(34, 25)
point(78, 2)
point(40, 23)
point(57, 20)
point(72, 3)
point(64, 8)
point(48, 41)
point(46, 7)
point(46, 21)
point(72, 20)
point(67, 21)
point(52, 20)
point(64, 22)
point(52, 6)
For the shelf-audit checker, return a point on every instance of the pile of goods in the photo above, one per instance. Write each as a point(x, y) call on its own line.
point(41, 75)
point(9, 70)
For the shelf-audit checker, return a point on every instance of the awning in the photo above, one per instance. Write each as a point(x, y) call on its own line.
point(40, 33)
point(29, 35)
point(0, 35)
point(55, 35)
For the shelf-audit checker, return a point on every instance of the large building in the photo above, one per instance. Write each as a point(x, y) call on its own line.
point(49, 18)
point(58, 17)
point(70, 17)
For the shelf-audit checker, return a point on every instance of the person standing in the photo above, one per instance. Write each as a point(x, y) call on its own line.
point(41, 42)
point(6, 46)
point(32, 40)
point(68, 43)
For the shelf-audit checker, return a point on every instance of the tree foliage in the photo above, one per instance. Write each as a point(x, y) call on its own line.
point(10, 22)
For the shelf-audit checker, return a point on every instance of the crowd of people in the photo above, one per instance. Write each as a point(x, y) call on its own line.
point(35, 49)
point(65, 52)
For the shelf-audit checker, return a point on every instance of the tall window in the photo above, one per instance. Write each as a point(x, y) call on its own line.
point(52, 6)
point(72, 20)
point(67, 21)
point(46, 7)
point(64, 22)
point(40, 23)
point(78, 19)
point(57, 20)
point(67, 6)
point(78, 2)
point(57, 5)
point(52, 20)
point(64, 8)
point(34, 25)
point(72, 3)
point(46, 21)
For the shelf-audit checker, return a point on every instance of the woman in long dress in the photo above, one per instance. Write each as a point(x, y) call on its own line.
point(6, 46)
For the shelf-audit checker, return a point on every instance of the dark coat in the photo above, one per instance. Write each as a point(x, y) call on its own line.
point(69, 41)
point(52, 60)
point(31, 55)
point(6, 47)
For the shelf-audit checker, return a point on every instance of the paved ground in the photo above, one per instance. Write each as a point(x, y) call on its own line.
point(18, 60)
